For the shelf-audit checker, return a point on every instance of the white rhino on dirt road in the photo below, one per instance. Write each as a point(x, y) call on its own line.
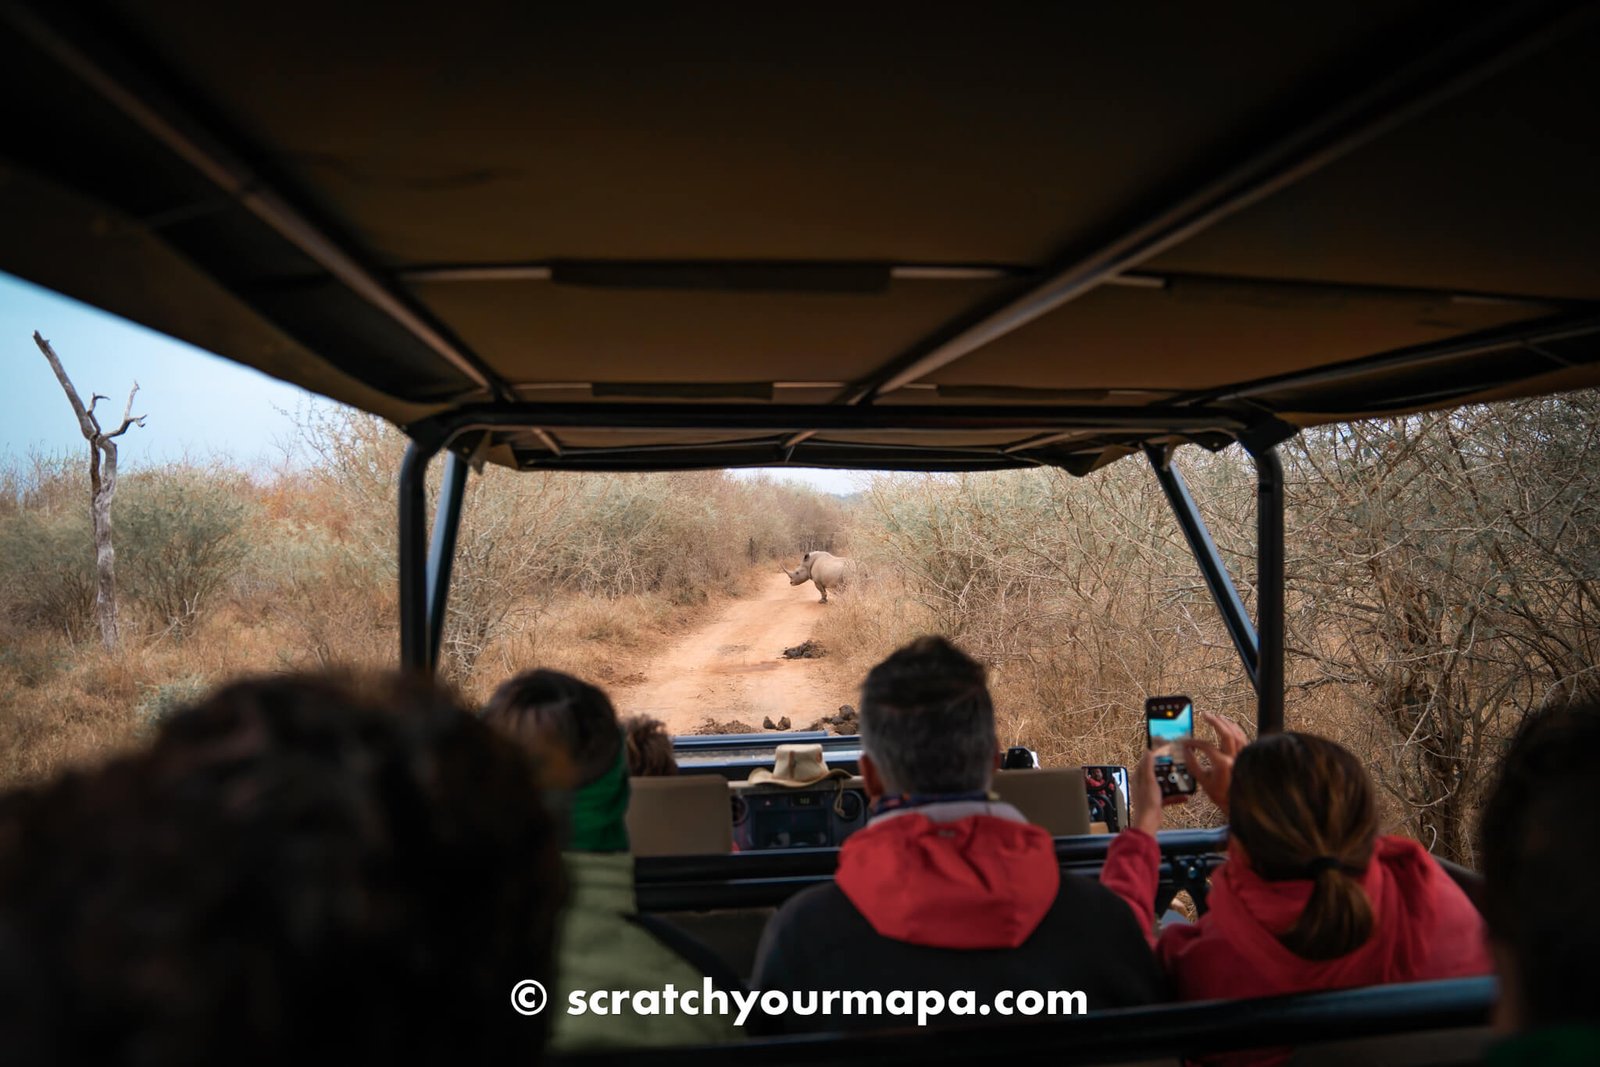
point(825, 569)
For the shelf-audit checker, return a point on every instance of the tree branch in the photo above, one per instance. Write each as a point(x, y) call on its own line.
point(128, 419)
point(85, 423)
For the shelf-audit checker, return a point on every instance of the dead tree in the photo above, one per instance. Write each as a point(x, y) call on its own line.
point(102, 487)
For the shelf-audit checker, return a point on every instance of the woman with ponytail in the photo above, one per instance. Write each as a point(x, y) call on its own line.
point(1311, 896)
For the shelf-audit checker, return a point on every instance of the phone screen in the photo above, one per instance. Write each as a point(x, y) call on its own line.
point(1168, 720)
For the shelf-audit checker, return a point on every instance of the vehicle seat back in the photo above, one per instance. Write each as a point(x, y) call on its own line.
point(732, 934)
point(1051, 797)
point(679, 815)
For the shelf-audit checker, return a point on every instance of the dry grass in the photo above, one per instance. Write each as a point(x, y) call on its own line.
point(604, 640)
point(584, 573)
point(64, 705)
point(1041, 699)
point(1426, 557)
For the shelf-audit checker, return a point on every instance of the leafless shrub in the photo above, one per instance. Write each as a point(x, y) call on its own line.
point(1075, 591)
point(1448, 568)
point(1442, 571)
point(184, 536)
point(47, 547)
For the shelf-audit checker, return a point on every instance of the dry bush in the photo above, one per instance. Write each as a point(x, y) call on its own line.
point(329, 602)
point(1444, 572)
point(47, 547)
point(182, 538)
point(1442, 575)
point(1449, 568)
point(530, 540)
point(296, 568)
point(1078, 593)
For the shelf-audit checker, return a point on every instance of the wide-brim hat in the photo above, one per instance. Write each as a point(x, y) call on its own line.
point(795, 766)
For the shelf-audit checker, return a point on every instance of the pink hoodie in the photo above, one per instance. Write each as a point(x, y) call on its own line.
point(1425, 928)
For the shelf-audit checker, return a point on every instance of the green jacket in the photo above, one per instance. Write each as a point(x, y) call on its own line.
point(602, 948)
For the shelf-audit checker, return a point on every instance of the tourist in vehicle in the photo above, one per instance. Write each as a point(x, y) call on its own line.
point(1102, 789)
point(295, 871)
point(649, 747)
point(1538, 830)
point(1311, 896)
point(945, 889)
point(605, 943)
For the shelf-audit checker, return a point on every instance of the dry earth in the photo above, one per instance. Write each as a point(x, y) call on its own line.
point(732, 667)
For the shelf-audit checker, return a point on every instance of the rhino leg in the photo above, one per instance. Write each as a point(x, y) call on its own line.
point(824, 592)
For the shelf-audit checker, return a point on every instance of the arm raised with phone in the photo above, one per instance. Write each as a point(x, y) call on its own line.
point(1133, 864)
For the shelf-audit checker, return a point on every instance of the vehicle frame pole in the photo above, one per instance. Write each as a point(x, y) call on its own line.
point(1269, 587)
point(413, 560)
point(1212, 567)
point(442, 551)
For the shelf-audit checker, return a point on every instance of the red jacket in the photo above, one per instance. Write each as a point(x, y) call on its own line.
point(1425, 928)
point(982, 881)
point(955, 896)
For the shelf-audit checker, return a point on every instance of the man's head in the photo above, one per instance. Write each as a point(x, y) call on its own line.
point(1539, 830)
point(293, 867)
point(541, 707)
point(927, 723)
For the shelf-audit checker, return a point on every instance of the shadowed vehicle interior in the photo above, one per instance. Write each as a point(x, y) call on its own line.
point(947, 239)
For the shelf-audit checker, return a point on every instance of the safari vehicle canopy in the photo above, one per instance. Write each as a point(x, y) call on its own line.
point(888, 237)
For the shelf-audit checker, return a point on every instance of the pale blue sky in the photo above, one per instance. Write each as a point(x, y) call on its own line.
point(197, 404)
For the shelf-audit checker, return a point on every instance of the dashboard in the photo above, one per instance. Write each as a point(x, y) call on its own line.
point(811, 817)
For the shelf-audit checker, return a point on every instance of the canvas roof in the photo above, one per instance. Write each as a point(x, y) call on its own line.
point(900, 236)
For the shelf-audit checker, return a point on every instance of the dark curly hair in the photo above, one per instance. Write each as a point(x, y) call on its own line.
point(540, 706)
point(1538, 834)
point(649, 747)
point(296, 869)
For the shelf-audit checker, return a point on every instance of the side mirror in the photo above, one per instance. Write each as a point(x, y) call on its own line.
point(1107, 787)
point(1018, 758)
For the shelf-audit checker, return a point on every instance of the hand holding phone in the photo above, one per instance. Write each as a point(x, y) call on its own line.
point(1169, 724)
point(1214, 772)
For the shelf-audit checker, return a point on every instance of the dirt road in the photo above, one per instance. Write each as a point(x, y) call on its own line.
point(733, 667)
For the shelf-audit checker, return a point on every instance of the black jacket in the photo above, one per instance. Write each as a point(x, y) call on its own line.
point(1087, 941)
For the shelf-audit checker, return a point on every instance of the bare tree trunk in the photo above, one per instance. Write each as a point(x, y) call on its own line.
point(102, 487)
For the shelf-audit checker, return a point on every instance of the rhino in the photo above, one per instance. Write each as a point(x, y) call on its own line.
point(824, 568)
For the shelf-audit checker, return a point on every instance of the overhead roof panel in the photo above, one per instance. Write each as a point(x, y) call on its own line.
point(534, 332)
point(994, 132)
point(1142, 222)
point(1492, 191)
point(1200, 333)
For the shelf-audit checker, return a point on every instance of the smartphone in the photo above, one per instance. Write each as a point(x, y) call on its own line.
point(1168, 720)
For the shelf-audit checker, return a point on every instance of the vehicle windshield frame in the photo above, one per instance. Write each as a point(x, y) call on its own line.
point(463, 435)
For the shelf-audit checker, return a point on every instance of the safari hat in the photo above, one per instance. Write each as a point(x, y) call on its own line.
point(796, 765)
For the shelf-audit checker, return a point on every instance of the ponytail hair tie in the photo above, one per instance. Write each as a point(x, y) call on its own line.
point(1323, 863)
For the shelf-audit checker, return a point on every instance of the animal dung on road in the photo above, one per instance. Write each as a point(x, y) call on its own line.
point(732, 726)
point(806, 650)
point(843, 723)
point(781, 724)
